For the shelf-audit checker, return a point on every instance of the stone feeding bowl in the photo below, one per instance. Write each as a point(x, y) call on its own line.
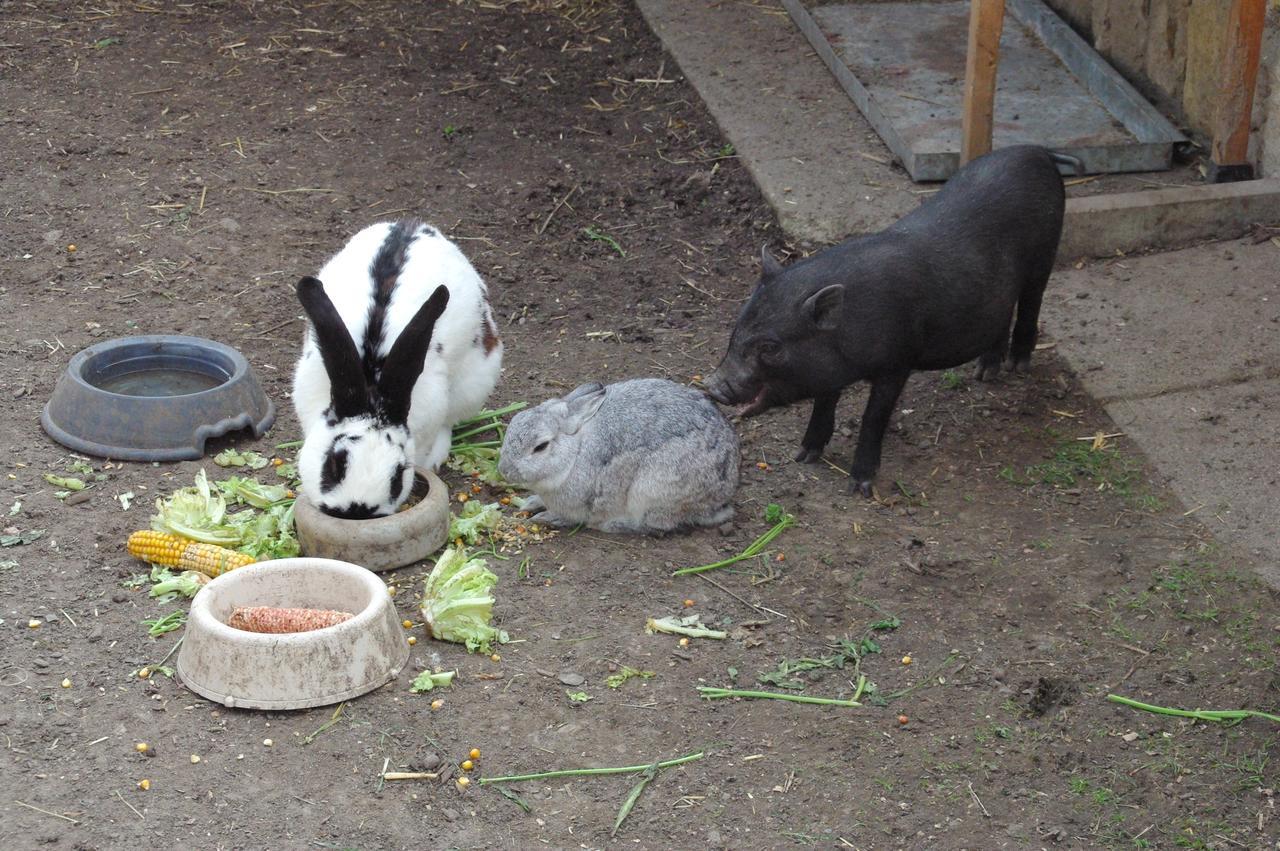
point(251, 670)
point(380, 543)
point(154, 398)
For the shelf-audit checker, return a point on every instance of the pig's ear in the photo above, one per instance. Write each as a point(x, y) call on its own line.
point(823, 307)
point(769, 266)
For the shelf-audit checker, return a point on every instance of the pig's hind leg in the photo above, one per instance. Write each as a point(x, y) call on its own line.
point(885, 391)
point(988, 368)
point(1026, 328)
point(822, 424)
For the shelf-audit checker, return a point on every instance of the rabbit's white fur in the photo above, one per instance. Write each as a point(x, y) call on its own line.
point(459, 372)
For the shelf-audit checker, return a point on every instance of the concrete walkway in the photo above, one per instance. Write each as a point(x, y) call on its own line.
point(1182, 348)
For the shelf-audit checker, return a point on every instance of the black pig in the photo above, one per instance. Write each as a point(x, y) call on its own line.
point(936, 289)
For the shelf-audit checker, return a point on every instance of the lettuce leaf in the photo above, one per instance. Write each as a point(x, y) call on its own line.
point(426, 681)
point(479, 461)
point(248, 458)
point(474, 519)
point(197, 513)
point(252, 492)
point(457, 604)
point(169, 585)
point(267, 534)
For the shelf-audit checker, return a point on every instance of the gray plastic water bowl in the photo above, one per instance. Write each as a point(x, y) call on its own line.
point(253, 670)
point(380, 543)
point(155, 398)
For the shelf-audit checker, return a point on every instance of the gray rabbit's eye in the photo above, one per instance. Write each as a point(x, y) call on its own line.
point(541, 446)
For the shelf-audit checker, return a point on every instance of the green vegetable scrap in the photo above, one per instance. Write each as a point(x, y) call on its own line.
point(21, 538)
point(252, 492)
point(710, 693)
point(426, 681)
point(249, 458)
point(774, 514)
point(479, 461)
point(579, 696)
point(689, 626)
point(480, 457)
point(66, 482)
point(1219, 716)
point(475, 519)
point(627, 672)
point(197, 513)
point(169, 585)
point(159, 626)
point(264, 530)
point(268, 534)
point(457, 604)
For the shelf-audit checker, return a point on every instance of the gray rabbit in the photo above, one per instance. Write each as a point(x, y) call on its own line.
point(645, 455)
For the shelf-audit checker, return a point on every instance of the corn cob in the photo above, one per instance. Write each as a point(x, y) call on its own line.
point(172, 551)
point(273, 619)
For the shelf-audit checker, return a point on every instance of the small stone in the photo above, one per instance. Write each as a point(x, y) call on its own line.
point(726, 529)
point(1130, 737)
point(570, 678)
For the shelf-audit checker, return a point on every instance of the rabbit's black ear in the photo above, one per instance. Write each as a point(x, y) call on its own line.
point(583, 403)
point(341, 358)
point(404, 362)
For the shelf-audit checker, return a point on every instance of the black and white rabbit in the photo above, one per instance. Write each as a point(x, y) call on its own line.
point(402, 345)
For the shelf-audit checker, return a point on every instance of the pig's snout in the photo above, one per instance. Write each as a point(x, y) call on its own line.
point(717, 388)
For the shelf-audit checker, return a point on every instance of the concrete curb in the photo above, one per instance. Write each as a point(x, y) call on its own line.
point(1101, 225)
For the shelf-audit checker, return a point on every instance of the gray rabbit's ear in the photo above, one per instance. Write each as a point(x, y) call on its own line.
point(583, 389)
point(582, 404)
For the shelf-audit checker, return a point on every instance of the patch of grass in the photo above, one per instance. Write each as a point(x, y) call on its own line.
point(952, 380)
point(1077, 464)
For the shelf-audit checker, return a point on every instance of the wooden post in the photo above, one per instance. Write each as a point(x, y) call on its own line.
point(1229, 156)
point(986, 20)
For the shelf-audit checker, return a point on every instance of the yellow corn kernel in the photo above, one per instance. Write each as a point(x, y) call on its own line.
point(171, 551)
point(144, 784)
point(467, 765)
point(475, 753)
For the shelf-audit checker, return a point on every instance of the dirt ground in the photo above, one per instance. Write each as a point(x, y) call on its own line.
point(201, 157)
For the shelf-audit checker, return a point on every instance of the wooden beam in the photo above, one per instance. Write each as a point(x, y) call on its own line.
point(1229, 155)
point(986, 20)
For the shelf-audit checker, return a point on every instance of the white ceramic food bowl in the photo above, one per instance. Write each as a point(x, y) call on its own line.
point(295, 670)
point(381, 543)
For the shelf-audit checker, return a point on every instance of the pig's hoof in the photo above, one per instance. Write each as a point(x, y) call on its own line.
point(1021, 365)
point(986, 371)
point(809, 456)
point(862, 486)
